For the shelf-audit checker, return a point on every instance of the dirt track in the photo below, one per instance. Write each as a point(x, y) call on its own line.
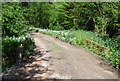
point(68, 61)
point(54, 59)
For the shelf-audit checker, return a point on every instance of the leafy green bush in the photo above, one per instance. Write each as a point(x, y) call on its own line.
point(13, 20)
point(14, 25)
point(9, 49)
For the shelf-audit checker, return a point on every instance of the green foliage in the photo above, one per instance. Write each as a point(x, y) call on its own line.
point(102, 18)
point(9, 49)
point(13, 21)
point(13, 25)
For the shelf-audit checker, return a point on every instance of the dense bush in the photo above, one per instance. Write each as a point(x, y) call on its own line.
point(9, 49)
point(13, 21)
point(78, 38)
point(13, 26)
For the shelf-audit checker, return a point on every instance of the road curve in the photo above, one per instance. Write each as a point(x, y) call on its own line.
point(72, 62)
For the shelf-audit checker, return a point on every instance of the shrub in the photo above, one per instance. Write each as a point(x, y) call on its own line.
point(13, 20)
point(9, 46)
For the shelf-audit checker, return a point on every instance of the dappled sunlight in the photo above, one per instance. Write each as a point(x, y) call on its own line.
point(32, 67)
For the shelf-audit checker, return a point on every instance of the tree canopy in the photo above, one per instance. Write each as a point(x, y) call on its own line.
point(99, 17)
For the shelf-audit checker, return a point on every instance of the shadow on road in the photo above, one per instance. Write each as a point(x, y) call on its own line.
point(29, 69)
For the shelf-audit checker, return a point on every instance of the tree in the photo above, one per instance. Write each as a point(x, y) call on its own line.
point(13, 21)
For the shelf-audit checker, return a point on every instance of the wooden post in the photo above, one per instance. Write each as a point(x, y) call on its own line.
point(87, 42)
point(106, 50)
point(98, 46)
point(19, 54)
